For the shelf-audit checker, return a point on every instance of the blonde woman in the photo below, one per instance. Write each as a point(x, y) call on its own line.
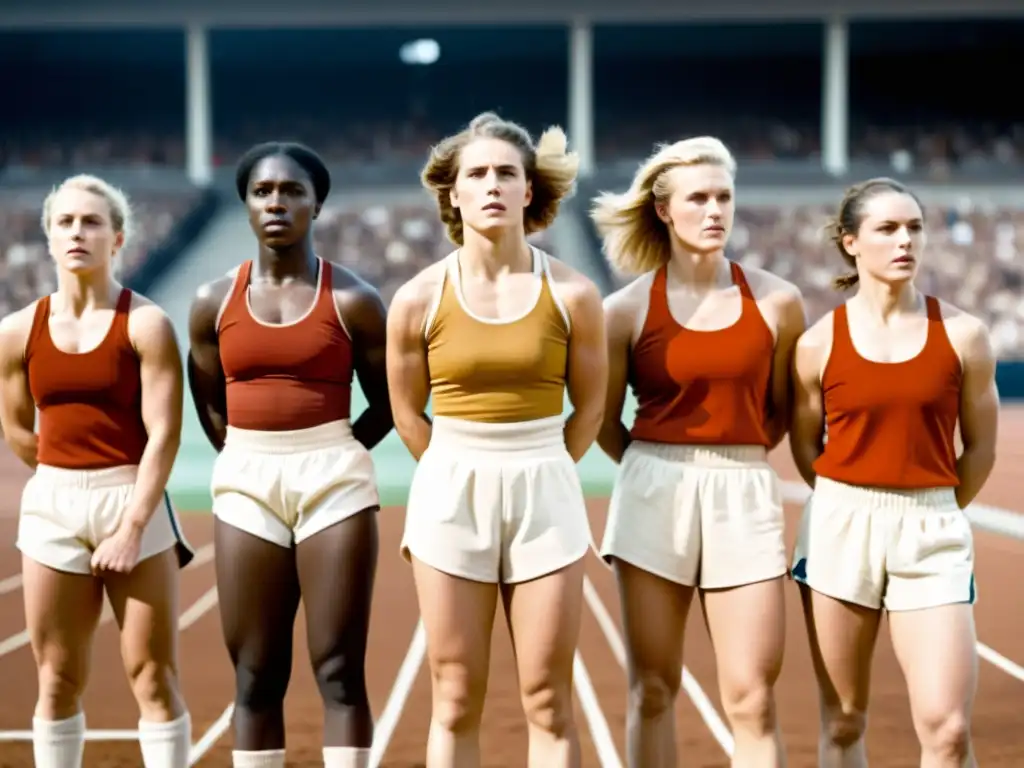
point(705, 345)
point(497, 332)
point(102, 366)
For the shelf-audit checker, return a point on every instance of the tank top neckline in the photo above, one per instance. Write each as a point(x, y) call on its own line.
point(932, 313)
point(120, 309)
point(738, 279)
point(539, 269)
point(321, 268)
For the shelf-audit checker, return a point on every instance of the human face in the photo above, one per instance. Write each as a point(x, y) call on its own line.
point(890, 240)
point(81, 232)
point(700, 209)
point(491, 189)
point(281, 201)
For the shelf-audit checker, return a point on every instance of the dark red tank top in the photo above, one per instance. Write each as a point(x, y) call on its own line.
point(284, 377)
point(891, 425)
point(701, 387)
point(90, 403)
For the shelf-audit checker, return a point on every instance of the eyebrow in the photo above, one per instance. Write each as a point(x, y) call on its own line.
point(500, 167)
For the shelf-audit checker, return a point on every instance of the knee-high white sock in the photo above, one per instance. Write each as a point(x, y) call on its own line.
point(58, 743)
point(166, 745)
point(271, 758)
point(346, 757)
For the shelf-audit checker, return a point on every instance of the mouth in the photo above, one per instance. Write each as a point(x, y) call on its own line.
point(78, 252)
point(904, 260)
point(276, 224)
point(715, 230)
point(494, 207)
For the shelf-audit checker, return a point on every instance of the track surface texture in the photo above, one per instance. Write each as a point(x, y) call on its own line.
point(601, 692)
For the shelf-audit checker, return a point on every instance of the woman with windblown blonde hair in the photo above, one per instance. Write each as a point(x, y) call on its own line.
point(705, 345)
point(496, 333)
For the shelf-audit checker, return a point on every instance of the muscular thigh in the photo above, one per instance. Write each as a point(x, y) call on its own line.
point(61, 614)
point(258, 593)
point(747, 625)
point(655, 647)
point(145, 603)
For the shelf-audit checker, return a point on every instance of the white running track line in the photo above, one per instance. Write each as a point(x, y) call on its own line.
point(404, 681)
point(997, 659)
point(604, 744)
point(212, 735)
point(700, 700)
point(10, 584)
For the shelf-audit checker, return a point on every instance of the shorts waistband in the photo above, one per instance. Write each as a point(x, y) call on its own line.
point(888, 499)
point(720, 456)
point(538, 438)
point(87, 479)
point(328, 435)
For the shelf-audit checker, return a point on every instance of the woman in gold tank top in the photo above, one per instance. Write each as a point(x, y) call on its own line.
point(498, 333)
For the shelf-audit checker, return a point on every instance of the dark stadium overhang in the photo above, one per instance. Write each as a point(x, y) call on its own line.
point(47, 14)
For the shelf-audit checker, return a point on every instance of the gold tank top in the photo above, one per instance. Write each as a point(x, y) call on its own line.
point(498, 371)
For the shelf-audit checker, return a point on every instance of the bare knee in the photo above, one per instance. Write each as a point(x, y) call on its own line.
point(155, 687)
point(261, 686)
point(60, 690)
point(458, 697)
point(341, 680)
point(750, 707)
point(842, 726)
point(652, 694)
point(945, 734)
point(548, 707)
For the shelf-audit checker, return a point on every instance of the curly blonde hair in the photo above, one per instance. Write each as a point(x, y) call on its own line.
point(549, 167)
point(850, 216)
point(634, 239)
point(117, 201)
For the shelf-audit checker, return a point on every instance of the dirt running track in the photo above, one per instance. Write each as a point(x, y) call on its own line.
point(207, 676)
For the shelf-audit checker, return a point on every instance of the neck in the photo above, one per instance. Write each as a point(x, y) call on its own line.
point(697, 269)
point(886, 299)
point(296, 260)
point(509, 252)
point(80, 293)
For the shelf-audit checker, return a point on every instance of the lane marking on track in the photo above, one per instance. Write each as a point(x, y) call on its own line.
point(604, 744)
point(94, 735)
point(203, 555)
point(705, 708)
point(385, 726)
point(10, 584)
point(997, 659)
point(404, 681)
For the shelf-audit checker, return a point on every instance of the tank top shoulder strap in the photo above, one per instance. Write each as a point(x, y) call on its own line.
point(841, 340)
point(542, 265)
point(40, 330)
point(938, 338)
point(657, 301)
point(122, 311)
point(739, 279)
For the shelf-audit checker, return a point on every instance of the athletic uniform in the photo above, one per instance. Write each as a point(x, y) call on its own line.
point(882, 526)
point(695, 501)
point(496, 497)
point(290, 466)
point(91, 439)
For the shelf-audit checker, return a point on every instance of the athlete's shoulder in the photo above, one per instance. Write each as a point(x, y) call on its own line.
point(216, 290)
point(626, 301)
point(967, 333)
point(420, 289)
point(819, 334)
point(764, 284)
point(571, 284)
point(16, 326)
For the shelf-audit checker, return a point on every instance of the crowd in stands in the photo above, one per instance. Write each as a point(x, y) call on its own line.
point(26, 268)
point(936, 149)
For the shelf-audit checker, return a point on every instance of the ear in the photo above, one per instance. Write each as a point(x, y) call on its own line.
point(316, 211)
point(529, 193)
point(661, 210)
point(849, 245)
point(453, 197)
point(118, 242)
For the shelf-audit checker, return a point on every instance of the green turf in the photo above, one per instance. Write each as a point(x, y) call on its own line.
point(189, 486)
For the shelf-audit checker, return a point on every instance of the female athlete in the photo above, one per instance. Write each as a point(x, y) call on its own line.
point(888, 374)
point(273, 350)
point(706, 346)
point(102, 366)
point(497, 332)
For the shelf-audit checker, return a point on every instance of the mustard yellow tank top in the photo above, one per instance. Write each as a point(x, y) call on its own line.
point(488, 370)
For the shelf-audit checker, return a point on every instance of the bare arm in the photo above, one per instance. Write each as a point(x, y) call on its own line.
point(613, 436)
point(587, 367)
point(792, 323)
point(807, 422)
point(205, 373)
point(979, 415)
point(17, 409)
point(407, 371)
point(366, 319)
point(162, 392)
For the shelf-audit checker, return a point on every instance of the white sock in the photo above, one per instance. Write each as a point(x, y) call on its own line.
point(271, 758)
point(58, 743)
point(166, 745)
point(346, 757)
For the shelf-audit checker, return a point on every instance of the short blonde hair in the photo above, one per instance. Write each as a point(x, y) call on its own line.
point(634, 239)
point(117, 201)
point(548, 165)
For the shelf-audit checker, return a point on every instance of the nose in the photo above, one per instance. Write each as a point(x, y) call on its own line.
point(714, 209)
point(275, 203)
